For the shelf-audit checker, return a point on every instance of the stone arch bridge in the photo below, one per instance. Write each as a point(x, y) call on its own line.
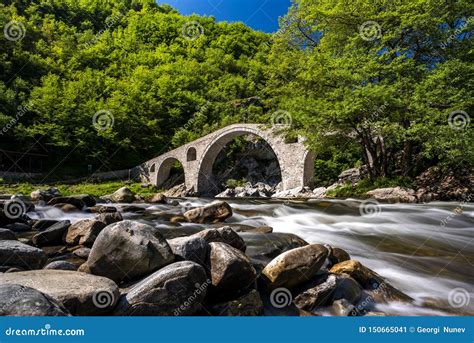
point(198, 157)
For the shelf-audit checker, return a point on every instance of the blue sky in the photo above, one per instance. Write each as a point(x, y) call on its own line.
point(258, 14)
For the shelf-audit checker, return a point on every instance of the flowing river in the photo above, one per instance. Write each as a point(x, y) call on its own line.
point(424, 250)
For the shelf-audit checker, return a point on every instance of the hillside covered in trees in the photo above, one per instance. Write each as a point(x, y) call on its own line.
point(112, 83)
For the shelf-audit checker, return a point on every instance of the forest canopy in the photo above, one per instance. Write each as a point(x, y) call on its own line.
point(112, 83)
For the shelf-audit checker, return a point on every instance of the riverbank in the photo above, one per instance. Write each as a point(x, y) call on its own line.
point(360, 258)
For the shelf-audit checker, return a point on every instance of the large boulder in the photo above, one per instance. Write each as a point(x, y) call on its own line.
point(190, 248)
point(295, 266)
point(265, 247)
point(225, 235)
point(393, 195)
point(122, 195)
point(231, 272)
point(215, 212)
point(17, 300)
point(7, 235)
point(320, 295)
point(127, 250)
point(82, 294)
point(84, 232)
point(178, 289)
point(52, 235)
point(76, 202)
point(17, 254)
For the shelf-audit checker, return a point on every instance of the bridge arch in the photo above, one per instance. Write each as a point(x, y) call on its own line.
point(205, 180)
point(163, 169)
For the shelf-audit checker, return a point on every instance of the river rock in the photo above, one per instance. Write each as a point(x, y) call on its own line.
point(190, 248)
point(347, 288)
point(225, 235)
point(158, 198)
point(337, 255)
point(295, 266)
point(19, 227)
point(231, 271)
point(87, 199)
point(248, 305)
point(127, 250)
point(356, 270)
point(320, 295)
point(177, 289)
point(251, 229)
point(102, 209)
point(7, 235)
point(60, 265)
point(82, 253)
point(177, 191)
point(82, 294)
point(342, 307)
point(319, 192)
point(52, 235)
point(393, 195)
point(109, 218)
point(66, 207)
point(298, 192)
point(17, 254)
point(217, 211)
point(44, 194)
point(377, 287)
point(78, 203)
point(43, 224)
point(17, 300)
point(382, 292)
point(84, 232)
point(122, 195)
point(262, 248)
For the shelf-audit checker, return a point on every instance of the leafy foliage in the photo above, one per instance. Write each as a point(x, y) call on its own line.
point(384, 100)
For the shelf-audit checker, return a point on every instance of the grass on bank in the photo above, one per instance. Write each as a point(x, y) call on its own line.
point(95, 189)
